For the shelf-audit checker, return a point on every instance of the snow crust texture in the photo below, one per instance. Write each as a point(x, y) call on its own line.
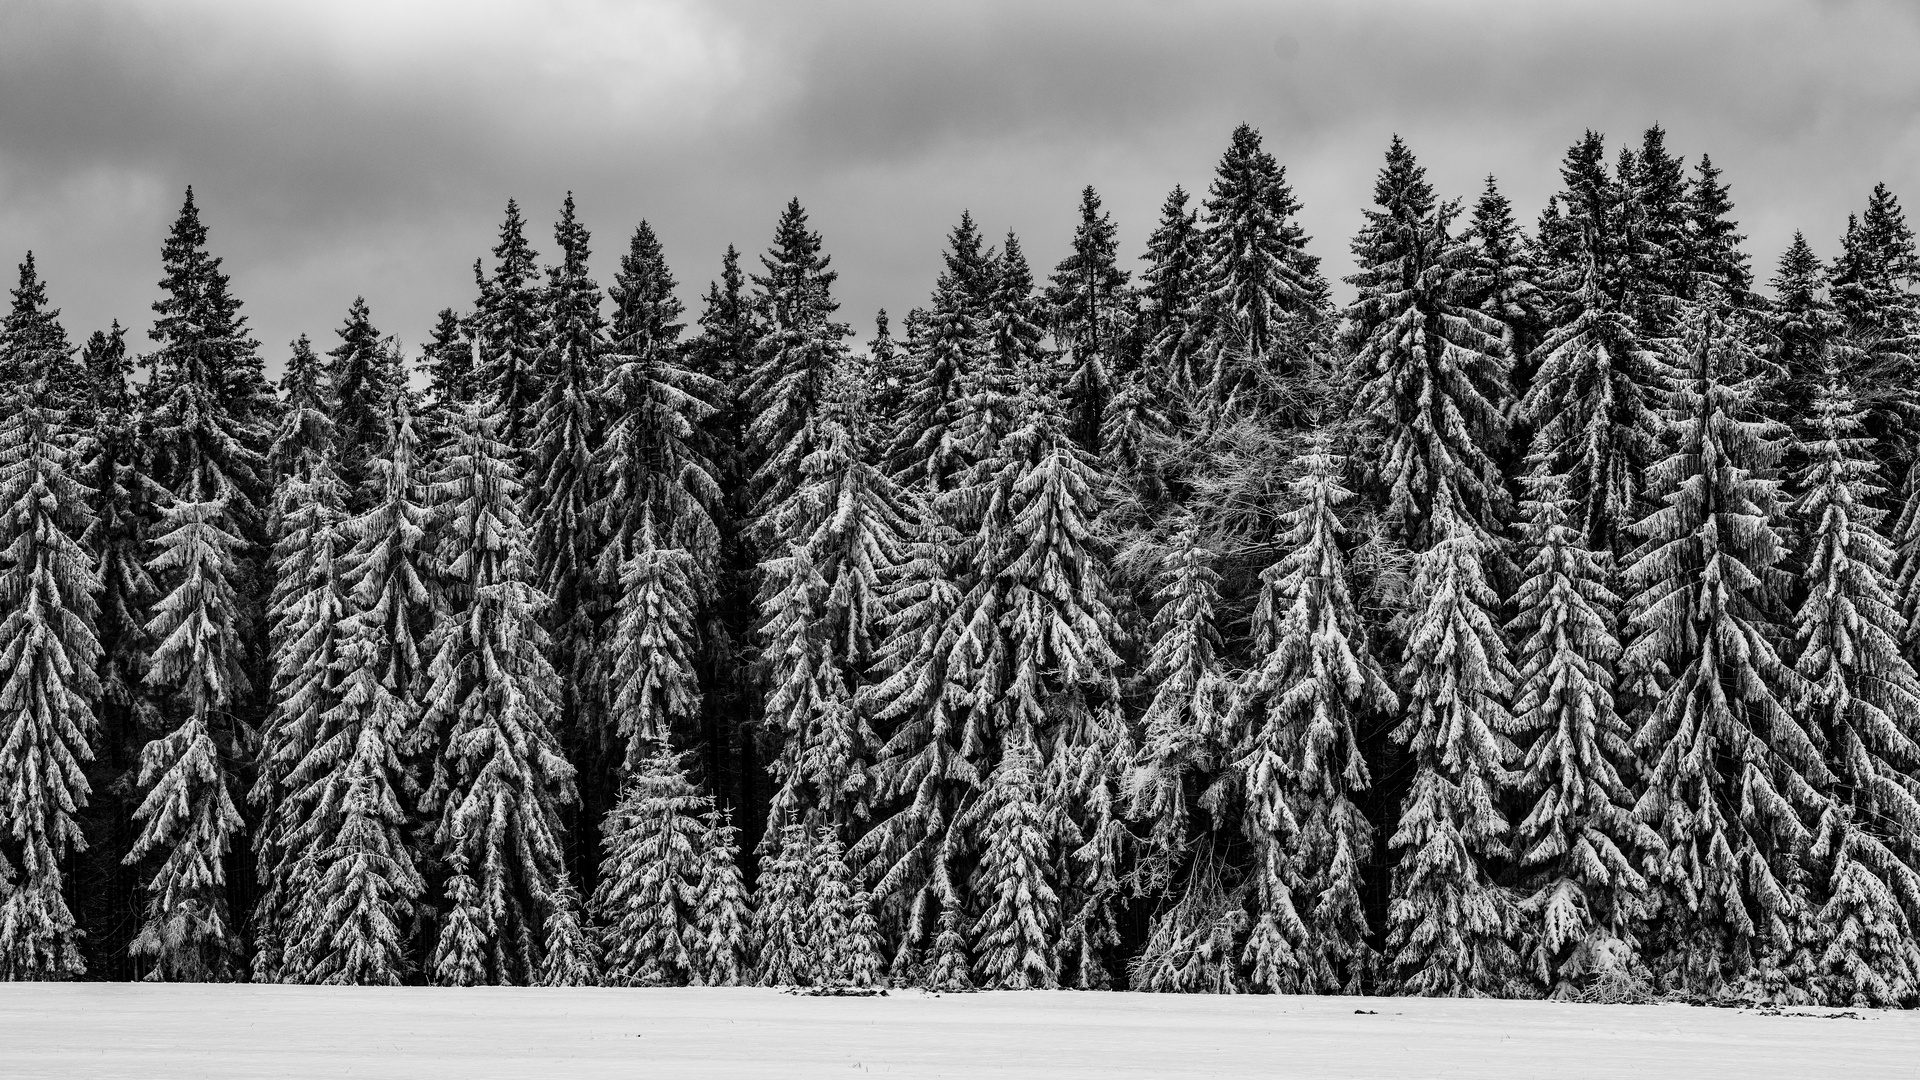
point(213, 1032)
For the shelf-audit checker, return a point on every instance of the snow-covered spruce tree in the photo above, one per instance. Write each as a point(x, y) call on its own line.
point(49, 652)
point(948, 969)
point(1450, 927)
point(721, 907)
point(646, 312)
point(1873, 282)
point(1060, 685)
point(34, 348)
point(210, 404)
point(721, 355)
point(886, 372)
point(392, 575)
point(1185, 723)
point(188, 818)
point(1579, 848)
point(1587, 215)
point(648, 897)
point(1590, 407)
point(111, 459)
point(1010, 632)
point(1714, 258)
point(1185, 740)
point(1804, 328)
point(460, 949)
point(306, 424)
point(865, 966)
point(1033, 635)
point(1504, 282)
point(1139, 422)
point(508, 327)
point(656, 492)
point(924, 454)
point(655, 457)
point(307, 610)
point(1314, 686)
point(206, 439)
point(653, 883)
point(917, 772)
point(844, 524)
point(783, 912)
point(210, 414)
point(558, 505)
point(360, 382)
point(1011, 348)
point(1257, 285)
point(655, 686)
point(1865, 706)
point(351, 927)
point(1872, 277)
point(1152, 377)
point(841, 931)
point(1431, 374)
point(354, 924)
point(1653, 182)
point(655, 512)
point(1170, 285)
point(806, 688)
point(501, 781)
point(1731, 770)
point(798, 351)
point(570, 955)
point(1089, 308)
point(1904, 535)
point(1017, 933)
point(447, 361)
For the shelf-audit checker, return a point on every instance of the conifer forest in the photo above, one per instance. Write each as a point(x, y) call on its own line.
point(1542, 622)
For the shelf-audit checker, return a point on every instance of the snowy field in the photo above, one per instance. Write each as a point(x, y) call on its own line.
point(101, 1030)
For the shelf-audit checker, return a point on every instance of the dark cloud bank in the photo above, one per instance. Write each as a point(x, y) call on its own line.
point(368, 147)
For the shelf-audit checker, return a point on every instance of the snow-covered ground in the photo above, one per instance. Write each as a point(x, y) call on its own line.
point(100, 1030)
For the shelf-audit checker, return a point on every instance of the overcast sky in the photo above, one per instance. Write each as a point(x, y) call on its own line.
point(368, 146)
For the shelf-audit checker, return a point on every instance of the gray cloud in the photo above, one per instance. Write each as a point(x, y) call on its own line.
point(367, 147)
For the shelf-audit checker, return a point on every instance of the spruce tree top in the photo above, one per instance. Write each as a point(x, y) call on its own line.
point(1089, 276)
point(796, 289)
point(514, 259)
point(447, 358)
point(33, 344)
point(646, 312)
point(1804, 325)
point(726, 325)
point(307, 424)
point(573, 297)
point(1256, 264)
point(1505, 284)
point(187, 266)
point(1173, 252)
point(967, 266)
point(1876, 271)
point(360, 381)
point(1659, 182)
point(197, 314)
point(108, 367)
point(1716, 258)
point(1397, 242)
point(359, 342)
